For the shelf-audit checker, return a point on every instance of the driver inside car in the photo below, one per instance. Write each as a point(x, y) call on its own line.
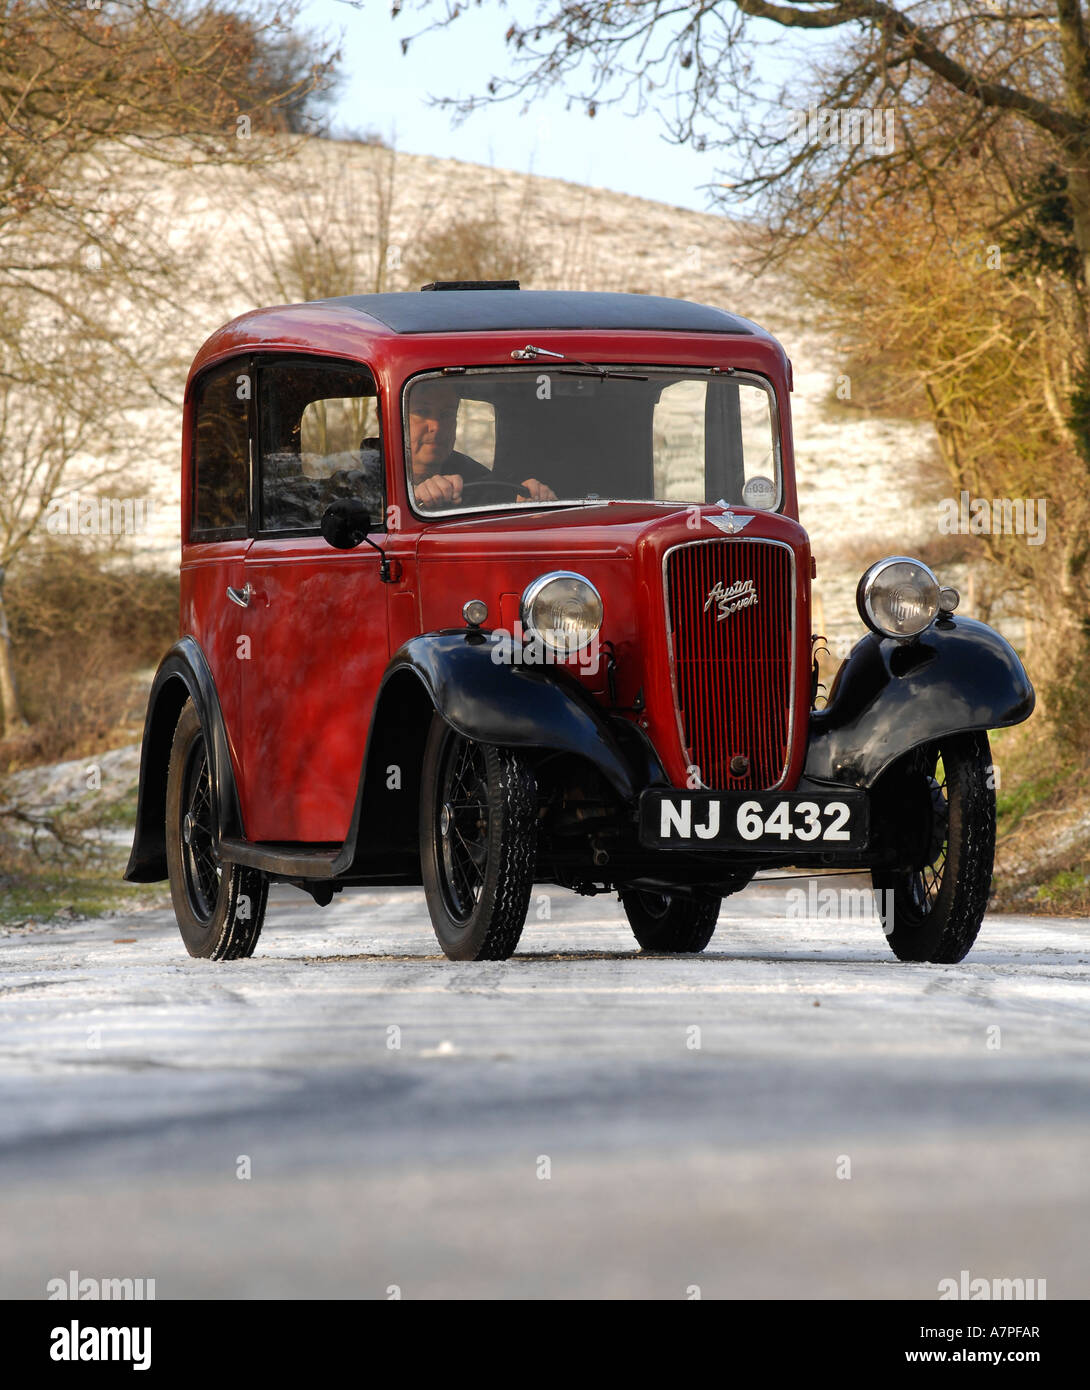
point(439, 471)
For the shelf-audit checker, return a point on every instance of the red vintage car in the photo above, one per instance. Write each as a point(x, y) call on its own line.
point(483, 587)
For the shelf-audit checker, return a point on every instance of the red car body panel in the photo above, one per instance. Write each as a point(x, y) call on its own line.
point(317, 623)
point(297, 698)
point(496, 559)
point(205, 614)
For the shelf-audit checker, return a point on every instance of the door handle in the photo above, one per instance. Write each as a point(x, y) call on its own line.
point(241, 596)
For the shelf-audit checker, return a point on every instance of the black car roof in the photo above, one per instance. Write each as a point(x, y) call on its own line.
point(481, 311)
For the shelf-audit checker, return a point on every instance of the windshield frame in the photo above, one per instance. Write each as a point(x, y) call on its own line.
point(742, 374)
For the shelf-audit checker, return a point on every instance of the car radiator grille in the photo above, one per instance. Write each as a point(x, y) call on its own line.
point(733, 673)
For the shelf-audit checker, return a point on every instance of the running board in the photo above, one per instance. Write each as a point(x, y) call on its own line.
point(287, 861)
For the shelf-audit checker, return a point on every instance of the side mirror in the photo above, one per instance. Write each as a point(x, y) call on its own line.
point(346, 522)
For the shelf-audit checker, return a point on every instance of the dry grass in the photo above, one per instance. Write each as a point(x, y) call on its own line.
point(1043, 842)
point(82, 628)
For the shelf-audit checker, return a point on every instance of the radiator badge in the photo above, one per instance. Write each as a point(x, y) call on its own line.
point(728, 522)
point(741, 594)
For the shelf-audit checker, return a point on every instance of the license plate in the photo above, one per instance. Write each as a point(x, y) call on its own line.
point(761, 821)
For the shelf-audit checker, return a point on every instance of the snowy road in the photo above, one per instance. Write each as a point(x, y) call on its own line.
point(847, 1126)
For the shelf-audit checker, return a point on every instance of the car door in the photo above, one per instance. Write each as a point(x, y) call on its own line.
point(315, 616)
point(215, 531)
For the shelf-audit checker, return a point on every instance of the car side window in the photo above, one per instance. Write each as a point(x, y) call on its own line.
point(221, 452)
point(318, 441)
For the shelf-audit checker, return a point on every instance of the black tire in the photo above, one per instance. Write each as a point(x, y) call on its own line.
point(937, 910)
point(478, 843)
point(219, 907)
point(663, 923)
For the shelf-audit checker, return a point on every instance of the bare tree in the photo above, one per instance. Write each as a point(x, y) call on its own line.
point(344, 219)
point(92, 101)
point(468, 248)
point(989, 60)
point(85, 90)
point(61, 417)
point(959, 334)
point(323, 226)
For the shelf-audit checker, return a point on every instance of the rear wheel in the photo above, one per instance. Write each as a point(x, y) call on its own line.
point(664, 922)
point(933, 913)
point(478, 843)
point(219, 907)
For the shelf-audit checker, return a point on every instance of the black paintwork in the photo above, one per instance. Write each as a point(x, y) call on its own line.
point(890, 697)
point(183, 674)
point(483, 311)
point(498, 701)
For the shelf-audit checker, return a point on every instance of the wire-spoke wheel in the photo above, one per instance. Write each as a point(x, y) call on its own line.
point(933, 910)
point(219, 907)
point(667, 922)
point(478, 843)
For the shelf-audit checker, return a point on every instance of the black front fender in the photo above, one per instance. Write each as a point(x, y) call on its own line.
point(483, 693)
point(889, 697)
point(183, 674)
point(454, 673)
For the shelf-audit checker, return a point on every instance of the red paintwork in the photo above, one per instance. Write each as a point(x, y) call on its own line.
point(742, 663)
point(620, 548)
point(206, 614)
point(319, 647)
point(322, 626)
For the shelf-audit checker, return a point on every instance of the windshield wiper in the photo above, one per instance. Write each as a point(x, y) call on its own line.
point(580, 368)
point(589, 369)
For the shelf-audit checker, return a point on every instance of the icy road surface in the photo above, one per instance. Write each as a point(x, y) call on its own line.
point(791, 1114)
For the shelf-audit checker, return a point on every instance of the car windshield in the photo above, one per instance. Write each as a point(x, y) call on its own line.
point(569, 433)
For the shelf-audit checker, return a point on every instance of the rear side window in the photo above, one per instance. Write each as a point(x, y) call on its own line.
point(319, 441)
point(221, 453)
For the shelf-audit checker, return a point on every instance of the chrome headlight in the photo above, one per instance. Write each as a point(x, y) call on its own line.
point(563, 610)
point(898, 597)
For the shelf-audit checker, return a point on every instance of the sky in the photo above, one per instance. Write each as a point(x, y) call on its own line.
point(389, 92)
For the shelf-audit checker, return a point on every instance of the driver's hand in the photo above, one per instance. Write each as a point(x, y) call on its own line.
point(539, 492)
point(444, 488)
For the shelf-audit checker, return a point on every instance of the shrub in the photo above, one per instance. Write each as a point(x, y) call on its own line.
point(83, 626)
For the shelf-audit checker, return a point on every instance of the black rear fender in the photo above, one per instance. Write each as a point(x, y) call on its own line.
point(183, 675)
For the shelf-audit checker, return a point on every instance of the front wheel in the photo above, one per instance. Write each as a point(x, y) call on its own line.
point(478, 843)
point(219, 907)
point(933, 913)
point(664, 923)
